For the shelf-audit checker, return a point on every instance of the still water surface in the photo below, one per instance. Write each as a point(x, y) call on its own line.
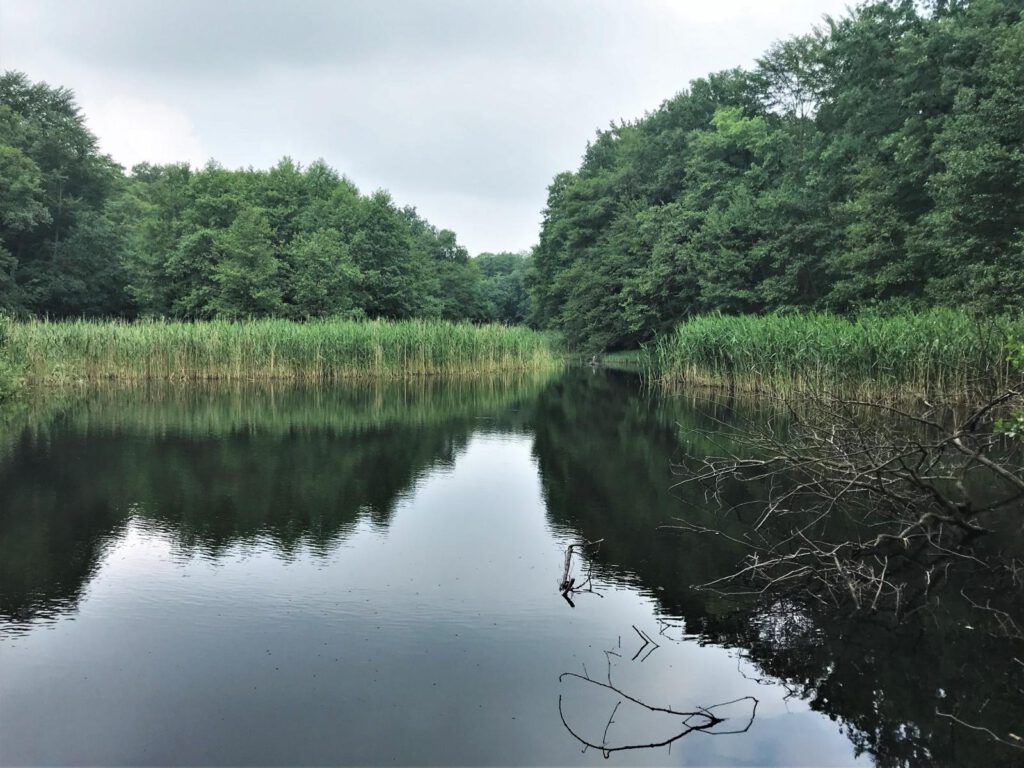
point(369, 575)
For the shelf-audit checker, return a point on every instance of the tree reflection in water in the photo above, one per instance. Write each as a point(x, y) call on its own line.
point(215, 469)
point(605, 448)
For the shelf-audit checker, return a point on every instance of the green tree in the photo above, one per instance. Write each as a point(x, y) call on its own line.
point(158, 275)
point(876, 162)
point(322, 278)
point(54, 181)
point(393, 273)
point(504, 286)
point(245, 277)
point(21, 210)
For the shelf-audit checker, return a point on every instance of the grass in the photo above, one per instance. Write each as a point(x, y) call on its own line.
point(54, 352)
point(10, 377)
point(628, 360)
point(941, 354)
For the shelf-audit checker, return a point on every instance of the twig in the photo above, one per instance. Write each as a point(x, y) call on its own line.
point(1017, 744)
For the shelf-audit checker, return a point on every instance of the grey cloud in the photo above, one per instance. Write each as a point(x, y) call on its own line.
point(464, 108)
point(232, 37)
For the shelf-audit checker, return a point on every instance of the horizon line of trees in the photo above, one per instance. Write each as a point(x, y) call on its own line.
point(81, 238)
point(874, 164)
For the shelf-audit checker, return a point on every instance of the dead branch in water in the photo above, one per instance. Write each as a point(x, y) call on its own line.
point(647, 641)
point(699, 719)
point(868, 509)
point(865, 506)
point(568, 586)
point(1017, 743)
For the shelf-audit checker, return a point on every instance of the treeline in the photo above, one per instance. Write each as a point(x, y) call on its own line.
point(874, 164)
point(80, 238)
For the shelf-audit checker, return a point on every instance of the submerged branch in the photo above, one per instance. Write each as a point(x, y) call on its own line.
point(698, 719)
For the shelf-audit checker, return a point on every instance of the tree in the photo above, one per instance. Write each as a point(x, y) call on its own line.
point(245, 276)
point(503, 287)
point(21, 210)
point(322, 278)
point(457, 281)
point(875, 163)
point(393, 274)
point(158, 275)
point(54, 180)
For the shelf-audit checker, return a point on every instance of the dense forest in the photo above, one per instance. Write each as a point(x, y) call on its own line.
point(79, 237)
point(875, 164)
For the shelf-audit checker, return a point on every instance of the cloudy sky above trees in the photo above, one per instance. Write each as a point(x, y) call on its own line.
point(464, 108)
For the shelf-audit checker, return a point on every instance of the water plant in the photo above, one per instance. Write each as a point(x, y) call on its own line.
point(938, 353)
point(331, 349)
point(10, 379)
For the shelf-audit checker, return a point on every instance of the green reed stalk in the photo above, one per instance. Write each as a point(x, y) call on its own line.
point(323, 350)
point(10, 376)
point(940, 353)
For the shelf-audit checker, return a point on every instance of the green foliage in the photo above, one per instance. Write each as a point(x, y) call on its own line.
point(246, 272)
point(10, 378)
point(1013, 425)
point(59, 247)
point(940, 353)
point(79, 238)
point(877, 162)
point(504, 286)
point(322, 281)
point(330, 349)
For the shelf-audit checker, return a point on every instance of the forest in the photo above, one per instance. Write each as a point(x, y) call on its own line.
point(266, 437)
point(875, 164)
point(79, 237)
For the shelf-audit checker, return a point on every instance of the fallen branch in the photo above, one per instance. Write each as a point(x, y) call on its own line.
point(1017, 743)
point(568, 585)
point(699, 719)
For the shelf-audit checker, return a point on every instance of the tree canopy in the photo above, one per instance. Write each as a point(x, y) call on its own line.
point(80, 237)
point(875, 163)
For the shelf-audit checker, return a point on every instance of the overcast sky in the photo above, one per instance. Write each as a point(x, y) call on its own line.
point(464, 108)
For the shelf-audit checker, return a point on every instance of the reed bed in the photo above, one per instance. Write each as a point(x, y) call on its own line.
point(943, 354)
point(10, 378)
point(55, 352)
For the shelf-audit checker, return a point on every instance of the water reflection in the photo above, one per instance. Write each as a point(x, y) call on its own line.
point(213, 466)
point(603, 455)
point(370, 574)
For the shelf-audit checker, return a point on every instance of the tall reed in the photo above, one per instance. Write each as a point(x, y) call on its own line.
point(10, 377)
point(940, 353)
point(323, 350)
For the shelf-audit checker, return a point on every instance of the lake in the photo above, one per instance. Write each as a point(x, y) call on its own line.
point(369, 574)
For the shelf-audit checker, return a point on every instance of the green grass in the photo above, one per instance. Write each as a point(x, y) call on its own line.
point(10, 377)
point(942, 354)
point(68, 351)
point(628, 359)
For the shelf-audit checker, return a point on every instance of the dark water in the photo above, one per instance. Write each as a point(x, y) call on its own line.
point(370, 575)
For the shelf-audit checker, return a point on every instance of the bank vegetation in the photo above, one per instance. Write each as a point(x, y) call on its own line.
point(937, 354)
point(58, 352)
